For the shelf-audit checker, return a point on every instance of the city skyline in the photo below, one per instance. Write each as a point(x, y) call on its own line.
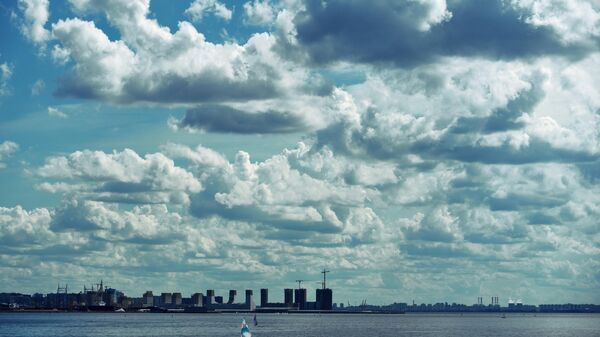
point(224, 293)
point(422, 149)
point(108, 299)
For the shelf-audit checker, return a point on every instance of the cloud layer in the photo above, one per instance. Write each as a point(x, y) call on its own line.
point(469, 147)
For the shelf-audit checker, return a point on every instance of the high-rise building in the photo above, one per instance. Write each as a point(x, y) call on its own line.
point(250, 300)
point(176, 299)
point(210, 297)
point(148, 299)
point(197, 299)
point(232, 294)
point(324, 299)
point(300, 298)
point(288, 296)
point(111, 296)
point(165, 298)
point(264, 297)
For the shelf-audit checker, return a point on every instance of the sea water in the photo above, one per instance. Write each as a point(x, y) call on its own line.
point(297, 325)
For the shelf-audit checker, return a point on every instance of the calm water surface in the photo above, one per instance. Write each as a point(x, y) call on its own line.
point(271, 325)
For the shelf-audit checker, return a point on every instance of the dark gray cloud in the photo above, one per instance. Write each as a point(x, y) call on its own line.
point(73, 216)
point(504, 118)
point(170, 88)
point(388, 31)
point(221, 118)
point(538, 151)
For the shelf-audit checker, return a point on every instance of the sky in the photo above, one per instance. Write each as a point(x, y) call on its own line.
point(427, 150)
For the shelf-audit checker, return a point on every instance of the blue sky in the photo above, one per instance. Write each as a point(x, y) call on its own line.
point(433, 150)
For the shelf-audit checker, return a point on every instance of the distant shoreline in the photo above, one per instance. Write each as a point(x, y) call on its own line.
point(51, 311)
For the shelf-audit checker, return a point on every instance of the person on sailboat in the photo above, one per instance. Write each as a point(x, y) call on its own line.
point(245, 329)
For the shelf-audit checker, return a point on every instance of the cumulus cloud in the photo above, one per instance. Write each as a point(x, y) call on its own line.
point(221, 118)
point(309, 206)
point(6, 149)
point(22, 227)
point(259, 12)
point(149, 224)
point(573, 21)
point(151, 64)
point(417, 32)
point(36, 15)
point(120, 176)
point(494, 116)
point(438, 225)
point(282, 193)
point(199, 7)
point(125, 241)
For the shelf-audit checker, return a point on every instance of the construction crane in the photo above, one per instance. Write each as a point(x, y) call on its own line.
point(324, 272)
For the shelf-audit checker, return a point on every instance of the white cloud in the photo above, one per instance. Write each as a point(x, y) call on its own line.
point(437, 225)
point(6, 149)
point(198, 8)
point(259, 12)
point(222, 11)
point(485, 105)
point(21, 227)
point(103, 67)
point(151, 64)
point(152, 224)
point(37, 87)
point(122, 176)
point(436, 13)
point(54, 112)
point(312, 206)
point(573, 21)
point(295, 190)
point(6, 71)
point(36, 15)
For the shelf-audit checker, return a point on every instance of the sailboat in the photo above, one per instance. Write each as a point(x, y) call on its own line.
point(254, 320)
point(245, 329)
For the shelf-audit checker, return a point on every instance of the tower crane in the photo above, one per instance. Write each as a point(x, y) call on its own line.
point(324, 272)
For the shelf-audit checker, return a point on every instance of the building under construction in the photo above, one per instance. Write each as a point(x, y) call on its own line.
point(297, 299)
